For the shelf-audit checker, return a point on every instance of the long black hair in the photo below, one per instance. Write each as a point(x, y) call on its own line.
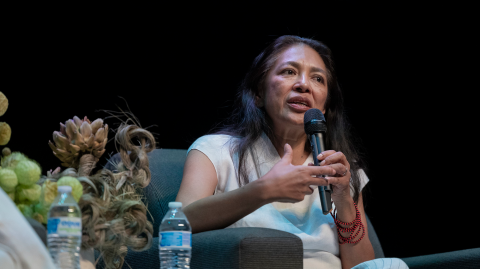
point(248, 121)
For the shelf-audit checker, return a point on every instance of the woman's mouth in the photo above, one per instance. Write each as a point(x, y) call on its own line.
point(299, 104)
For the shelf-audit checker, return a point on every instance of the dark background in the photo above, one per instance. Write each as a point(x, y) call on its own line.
point(408, 83)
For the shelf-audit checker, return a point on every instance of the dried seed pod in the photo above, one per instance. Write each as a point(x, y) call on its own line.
point(5, 133)
point(3, 104)
point(6, 151)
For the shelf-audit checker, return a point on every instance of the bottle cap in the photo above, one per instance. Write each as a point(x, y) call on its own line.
point(175, 204)
point(64, 189)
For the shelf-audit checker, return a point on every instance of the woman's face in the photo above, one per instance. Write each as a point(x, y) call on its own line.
point(296, 83)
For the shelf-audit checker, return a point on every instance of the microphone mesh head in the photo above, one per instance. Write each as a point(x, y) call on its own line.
point(313, 114)
point(314, 121)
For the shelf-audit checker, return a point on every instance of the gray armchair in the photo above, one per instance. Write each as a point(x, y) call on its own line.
point(246, 247)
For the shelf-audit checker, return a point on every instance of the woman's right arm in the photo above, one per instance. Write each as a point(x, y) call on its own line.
point(205, 211)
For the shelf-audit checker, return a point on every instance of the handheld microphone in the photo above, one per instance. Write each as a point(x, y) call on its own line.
point(316, 128)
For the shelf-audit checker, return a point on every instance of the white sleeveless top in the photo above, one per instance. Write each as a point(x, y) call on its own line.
point(304, 219)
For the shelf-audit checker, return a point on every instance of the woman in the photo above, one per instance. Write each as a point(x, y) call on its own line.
point(257, 172)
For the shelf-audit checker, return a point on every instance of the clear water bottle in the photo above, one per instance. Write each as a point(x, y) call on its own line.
point(175, 238)
point(64, 230)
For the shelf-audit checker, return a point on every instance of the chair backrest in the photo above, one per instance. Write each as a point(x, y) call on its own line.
point(166, 166)
point(372, 235)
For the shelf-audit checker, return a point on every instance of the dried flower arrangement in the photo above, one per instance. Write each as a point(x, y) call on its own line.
point(113, 213)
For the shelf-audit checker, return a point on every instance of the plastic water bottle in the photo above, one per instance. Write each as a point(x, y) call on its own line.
point(175, 238)
point(64, 228)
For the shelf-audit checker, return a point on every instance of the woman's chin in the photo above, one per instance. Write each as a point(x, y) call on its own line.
point(293, 120)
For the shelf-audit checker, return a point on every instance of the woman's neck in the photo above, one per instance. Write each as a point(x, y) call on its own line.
point(296, 140)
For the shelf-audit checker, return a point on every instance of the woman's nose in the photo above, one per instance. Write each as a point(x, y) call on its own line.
point(301, 85)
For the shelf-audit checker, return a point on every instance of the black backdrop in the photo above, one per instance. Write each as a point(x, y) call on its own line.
point(408, 92)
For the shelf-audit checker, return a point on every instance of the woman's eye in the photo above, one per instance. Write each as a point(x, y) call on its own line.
point(288, 71)
point(319, 79)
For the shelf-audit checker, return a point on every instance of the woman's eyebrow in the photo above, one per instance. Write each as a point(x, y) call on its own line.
point(297, 65)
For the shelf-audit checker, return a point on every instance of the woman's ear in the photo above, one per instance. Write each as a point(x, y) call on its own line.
point(259, 101)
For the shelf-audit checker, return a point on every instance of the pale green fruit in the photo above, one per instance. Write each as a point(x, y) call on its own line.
point(13, 159)
point(28, 172)
point(26, 210)
point(41, 212)
point(28, 194)
point(77, 188)
point(8, 180)
point(11, 195)
point(38, 217)
point(49, 192)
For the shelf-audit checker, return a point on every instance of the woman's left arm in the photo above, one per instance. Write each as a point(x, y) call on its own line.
point(350, 254)
point(353, 254)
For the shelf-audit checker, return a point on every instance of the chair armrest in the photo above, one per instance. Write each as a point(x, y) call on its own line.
point(468, 258)
point(247, 248)
point(230, 248)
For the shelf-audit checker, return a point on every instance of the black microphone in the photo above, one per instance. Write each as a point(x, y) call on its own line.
point(316, 129)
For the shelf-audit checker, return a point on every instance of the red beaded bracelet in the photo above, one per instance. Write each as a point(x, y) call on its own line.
point(357, 223)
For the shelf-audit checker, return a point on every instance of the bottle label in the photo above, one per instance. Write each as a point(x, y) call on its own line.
point(65, 226)
point(176, 239)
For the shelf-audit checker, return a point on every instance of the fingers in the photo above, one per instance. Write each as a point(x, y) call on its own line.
point(341, 169)
point(320, 170)
point(333, 180)
point(317, 181)
point(336, 157)
point(320, 181)
point(288, 154)
point(308, 190)
point(325, 154)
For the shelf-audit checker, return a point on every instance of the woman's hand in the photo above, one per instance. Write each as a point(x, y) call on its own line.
point(341, 180)
point(289, 183)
